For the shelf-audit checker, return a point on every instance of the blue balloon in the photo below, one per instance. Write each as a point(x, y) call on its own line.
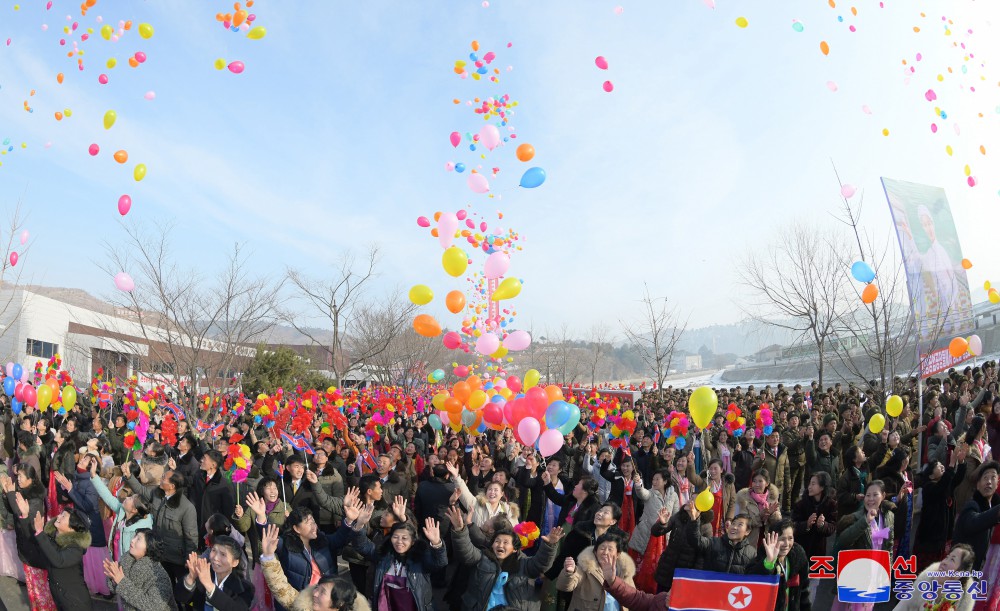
point(131, 426)
point(9, 385)
point(18, 371)
point(680, 442)
point(472, 147)
point(482, 70)
point(459, 167)
point(768, 429)
point(574, 419)
point(497, 399)
point(533, 177)
point(556, 414)
point(435, 421)
point(15, 406)
point(862, 272)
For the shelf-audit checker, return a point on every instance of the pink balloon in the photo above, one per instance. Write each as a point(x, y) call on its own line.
point(709, 3)
point(549, 442)
point(94, 150)
point(140, 57)
point(449, 166)
point(832, 86)
point(478, 183)
point(518, 340)
point(461, 214)
point(423, 221)
point(236, 67)
point(528, 429)
point(103, 79)
point(608, 86)
point(10, 369)
point(848, 191)
point(150, 95)
point(461, 371)
point(601, 62)
point(489, 136)
point(514, 384)
point(124, 282)
point(124, 204)
point(487, 344)
point(619, 10)
point(24, 237)
point(447, 224)
point(13, 258)
point(456, 139)
point(443, 415)
point(451, 340)
point(496, 265)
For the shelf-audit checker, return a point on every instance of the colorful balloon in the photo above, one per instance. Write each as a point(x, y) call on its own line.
point(528, 430)
point(533, 177)
point(421, 294)
point(862, 272)
point(145, 30)
point(975, 345)
point(447, 224)
point(139, 172)
point(477, 183)
point(894, 406)
point(518, 340)
point(455, 301)
point(496, 265)
point(426, 326)
point(525, 152)
point(876, 423)
point(236, 67)
point(489, 136)
point(531, 378)
point(455, 261)
point(508, 289)
point(870, 294)
point(109, 119)
point(124, 204)
point(487, 344)
point(702, 405)
point(958, 347)
point(455, 138)
point(550, 442)
point(705, 500)
point(44, 397)
point(124, 282)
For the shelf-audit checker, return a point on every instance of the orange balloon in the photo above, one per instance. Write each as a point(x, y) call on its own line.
point(133, 62)
point(461, 391)
point(824, 48)
point(425, 325)
point(452, 405)
point(59, 116)
point(958, 347)
point(554, 393)
point(434, 232)
point(59, 78)
point(475, 45)
point(966, 264)
point(128, 25)
point(239, 17)
point(455, 300)
point(474, 382)
point(525, 152)
point(870, 294)
point(121, 156)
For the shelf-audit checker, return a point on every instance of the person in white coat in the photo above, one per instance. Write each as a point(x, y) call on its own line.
point(960, 559)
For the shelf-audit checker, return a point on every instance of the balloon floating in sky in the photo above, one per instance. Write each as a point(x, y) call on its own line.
point(797, 25)
point(848, 192)
point(533, 177)
point(862, 272)
point(236, 67)
point(124, 204)
point(139, 172)
point(256, 33)
point(742, 22)
point(966, 264)
point(824, 47)
point(601, 62)
point(124, 282)
point(525, 152)
point(608, 86)
point(93, 149)
point(145, 30)
point(13, 258)
point(109, 119)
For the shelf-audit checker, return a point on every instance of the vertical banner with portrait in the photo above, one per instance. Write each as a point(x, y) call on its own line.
point(937, 284)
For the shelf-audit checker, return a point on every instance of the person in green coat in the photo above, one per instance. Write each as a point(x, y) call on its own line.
point(131, 515)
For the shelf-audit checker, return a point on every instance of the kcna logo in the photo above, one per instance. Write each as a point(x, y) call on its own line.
point(863, 576)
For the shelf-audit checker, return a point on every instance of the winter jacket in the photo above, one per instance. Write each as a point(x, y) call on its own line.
point(795, 582)
point(120, 520)
point(62, 556)
point(245, 524)
point(145, 587)
point(849, 486)
point(749, 507)
point(189, 466)
point(295, 562)
point(966, 479)
point(937, 449)
point(421, 561)
point(579, 538)
point(531, 497)
point(85, 498)
point(818, 460)
point(31, 456)
point(937, 514)
point(777, 468)
point(853, 531)
point(332, 483)
point(236, 594)
point(567, 503)
point(813, 538)
point(295, 600)
point(681, 552)
point(175, 520)
point(917, 603)
point(522, 571)
point(591, 466)
point(216, 495)
point(651, 515)
point(587, 581)
point(432, 500)
point(396, 484)
point(744, 460)
point(723, 555)
point(975, 525)
point(893, 485)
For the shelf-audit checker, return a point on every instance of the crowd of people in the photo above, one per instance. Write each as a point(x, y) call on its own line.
point(423, 518)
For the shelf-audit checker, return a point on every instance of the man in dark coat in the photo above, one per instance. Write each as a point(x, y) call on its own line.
point(981, 513)
point(212, 493)
point(730, 553)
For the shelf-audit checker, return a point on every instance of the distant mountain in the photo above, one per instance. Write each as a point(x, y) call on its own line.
point(743, 338)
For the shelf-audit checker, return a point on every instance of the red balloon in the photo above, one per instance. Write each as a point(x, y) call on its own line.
point(492, 413)
point(19, 391)
point(537, 399)
point(514, 384)
point(30, 395)
point(521, 410)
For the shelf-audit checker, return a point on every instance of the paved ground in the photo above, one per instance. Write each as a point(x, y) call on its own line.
point(14, 597)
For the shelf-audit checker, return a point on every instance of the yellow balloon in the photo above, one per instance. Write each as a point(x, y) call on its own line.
point(531, 378)
point(145, 30)
point(438, 400)
point(112, 62)
point(508, 289)
point(702, 405)
point(894, 406)
point(68, 397)
point(705, 500)
point(109, 119)
point(455, 261)
point(477, 399)
point(500, 353)
point(139, 172)
point(257, 32)
point(106, 31)
point(44, 395)
point(219, 64)
point(421, 294)
point(876, 423)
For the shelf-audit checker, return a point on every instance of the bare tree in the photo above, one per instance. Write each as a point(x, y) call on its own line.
point(568, 356)
point(799, 285)
point(654, 337)
point(336, 302)
point(11, 275)
point(600, 338)
point(183, 325)
point(380, 339)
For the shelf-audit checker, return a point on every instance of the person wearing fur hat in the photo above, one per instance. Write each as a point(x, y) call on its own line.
point(58, 547)
point(503, 576)
point(960, 558)
point(585, 579)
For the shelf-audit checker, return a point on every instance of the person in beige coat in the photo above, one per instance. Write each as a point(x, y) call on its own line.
point(585, 579)
point(960, 559)
point(761, 502)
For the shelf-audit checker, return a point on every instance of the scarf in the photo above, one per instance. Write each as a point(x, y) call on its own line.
point(879, 532)
point(269, 507)
point(760, 499)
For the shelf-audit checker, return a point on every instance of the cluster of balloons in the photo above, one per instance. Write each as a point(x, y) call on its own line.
point(991, 292)
point(735, 422)
point(959, 346)
point(862, 272)
point(679, 425)
point(537, 416)
point(22, 393)
point(241, 20)
point(624, 425)
point(764, 421)
point(479, 67)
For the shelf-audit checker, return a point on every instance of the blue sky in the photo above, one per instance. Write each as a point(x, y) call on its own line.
point(336, 136)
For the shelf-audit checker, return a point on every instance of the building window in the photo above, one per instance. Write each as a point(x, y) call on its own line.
point(45, 350)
